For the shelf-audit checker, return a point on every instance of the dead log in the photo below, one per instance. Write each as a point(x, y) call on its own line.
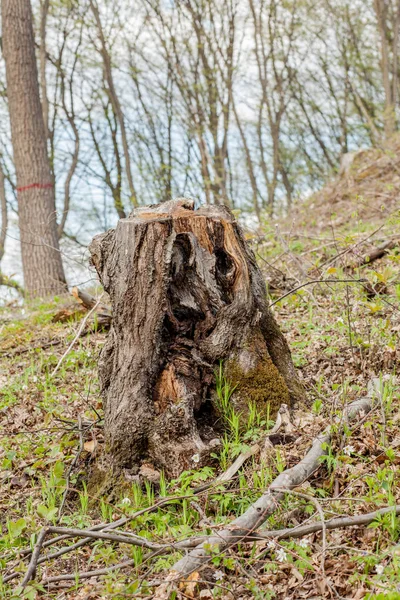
point(186, 293)
point(103, 312)
point(373, 255)
point(83, 297)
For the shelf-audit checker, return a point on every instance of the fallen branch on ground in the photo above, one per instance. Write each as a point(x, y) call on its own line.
point(91, 534)
point(223, 478)
point(336, 523)
point(123, 538)
point(104, 527)
point(78, 333)
point(88, 574)
point(99, 527)
point(266, 505)
point(375, 254)
point(35, 556)
point(238, 531)
point(333, 259)
point(279, 534)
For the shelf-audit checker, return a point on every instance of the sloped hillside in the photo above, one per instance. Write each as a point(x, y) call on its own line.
point(367, 189)
point(340, 312)
point(337, 258)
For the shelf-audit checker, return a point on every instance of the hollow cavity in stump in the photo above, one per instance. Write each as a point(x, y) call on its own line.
point(186, 293)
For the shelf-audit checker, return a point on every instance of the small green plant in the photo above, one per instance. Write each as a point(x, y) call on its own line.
point(224, 391)
point(52, 490)
point(329, 459)
point(279, 460)
point(84, 500)
point(317, 406)
point(238, 433)
point(106, 510)
point(188, 478)
point(388, 522)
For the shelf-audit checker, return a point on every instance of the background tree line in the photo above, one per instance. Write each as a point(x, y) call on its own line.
point(250, 103)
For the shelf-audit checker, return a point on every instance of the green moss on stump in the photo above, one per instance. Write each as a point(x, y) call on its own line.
point(104, 483)
point(99, 482)
point(262, 386)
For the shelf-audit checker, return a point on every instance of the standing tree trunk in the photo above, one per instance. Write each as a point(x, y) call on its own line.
point(41, 259)
point(4, 214)
point(44, 11)
point(186, 293)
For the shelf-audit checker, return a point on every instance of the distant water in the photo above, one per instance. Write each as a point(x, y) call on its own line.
point(75, 258)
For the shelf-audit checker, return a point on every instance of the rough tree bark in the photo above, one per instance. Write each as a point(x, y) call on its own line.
point(41, 259)
point(4, 215)
point(186, 293)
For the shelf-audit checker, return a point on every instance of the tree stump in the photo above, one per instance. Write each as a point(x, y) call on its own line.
point(186, 293)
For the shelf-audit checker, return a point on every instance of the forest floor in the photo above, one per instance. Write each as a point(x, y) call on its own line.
point(341, 334)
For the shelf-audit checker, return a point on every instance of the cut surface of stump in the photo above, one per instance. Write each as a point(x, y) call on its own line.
point(186, 293)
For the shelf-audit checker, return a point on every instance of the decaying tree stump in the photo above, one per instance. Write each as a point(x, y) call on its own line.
point(186, 293)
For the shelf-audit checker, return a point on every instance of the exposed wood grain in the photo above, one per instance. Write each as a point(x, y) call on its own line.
point(186, 293)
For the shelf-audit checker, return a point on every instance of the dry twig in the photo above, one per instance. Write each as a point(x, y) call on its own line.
point(78, 333)
point(299, 287)
point(30, 573)
point(336, 523)
point(73, 463)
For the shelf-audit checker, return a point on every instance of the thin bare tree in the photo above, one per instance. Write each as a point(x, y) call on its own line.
point(388, 22)
point(114, 99)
